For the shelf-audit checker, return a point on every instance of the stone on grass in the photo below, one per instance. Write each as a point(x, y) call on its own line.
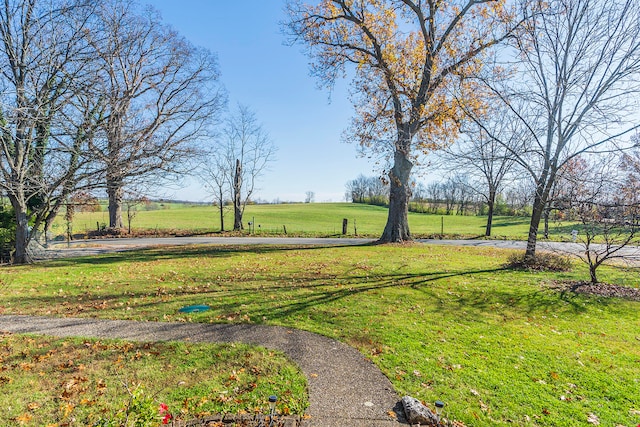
point(417, 413)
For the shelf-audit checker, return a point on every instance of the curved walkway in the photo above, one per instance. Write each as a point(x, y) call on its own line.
point(345, 389)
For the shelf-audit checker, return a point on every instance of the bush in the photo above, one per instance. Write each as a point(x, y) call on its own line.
point(544, 261)
point(7, 234)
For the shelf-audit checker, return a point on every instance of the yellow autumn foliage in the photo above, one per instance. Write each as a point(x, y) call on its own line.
point(412, 63)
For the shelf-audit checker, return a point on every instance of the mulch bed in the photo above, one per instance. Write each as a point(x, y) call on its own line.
point(599, 289)
point(240, 420)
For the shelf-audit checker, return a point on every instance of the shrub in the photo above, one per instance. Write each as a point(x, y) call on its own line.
point(7, 233)
point(544, 261)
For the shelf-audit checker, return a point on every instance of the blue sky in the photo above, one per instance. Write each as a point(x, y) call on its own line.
point(259, 70)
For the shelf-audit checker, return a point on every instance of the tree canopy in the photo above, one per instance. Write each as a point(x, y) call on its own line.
point(407, 59)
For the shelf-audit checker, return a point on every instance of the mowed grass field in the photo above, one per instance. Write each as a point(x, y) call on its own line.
point(313, 219)
point(499, 347)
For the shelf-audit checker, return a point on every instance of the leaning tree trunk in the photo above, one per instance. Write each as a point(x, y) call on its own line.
point(534, 224)
point(237, 199)
point(115, 193)
point(397, 228)
point(543, 189)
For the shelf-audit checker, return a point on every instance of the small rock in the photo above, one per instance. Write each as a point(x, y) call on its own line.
point(416, 412)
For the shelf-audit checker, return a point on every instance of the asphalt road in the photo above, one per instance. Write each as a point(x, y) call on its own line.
point(630, 254)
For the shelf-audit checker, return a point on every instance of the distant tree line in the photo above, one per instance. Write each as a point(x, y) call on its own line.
point(451, 196)
point(369, 190)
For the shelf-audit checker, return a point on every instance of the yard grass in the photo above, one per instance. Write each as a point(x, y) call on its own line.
point(311, 219)
point(79, 382)
point(500, 347)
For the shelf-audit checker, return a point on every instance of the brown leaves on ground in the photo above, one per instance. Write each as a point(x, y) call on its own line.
point(599, 289)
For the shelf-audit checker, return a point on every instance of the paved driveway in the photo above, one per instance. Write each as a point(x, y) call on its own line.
point(74, 248)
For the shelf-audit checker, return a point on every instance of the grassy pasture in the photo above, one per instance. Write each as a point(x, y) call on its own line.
point(499, 347)
point(313, 219)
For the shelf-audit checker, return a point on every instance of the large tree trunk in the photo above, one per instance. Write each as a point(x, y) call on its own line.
point(115, 191)
point(397, 228)
point(21, 256)
point(539, 205)
point(491, 204)
point(534, 224)
point(237, 198)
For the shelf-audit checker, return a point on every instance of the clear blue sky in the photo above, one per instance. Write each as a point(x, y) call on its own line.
point(259, 70)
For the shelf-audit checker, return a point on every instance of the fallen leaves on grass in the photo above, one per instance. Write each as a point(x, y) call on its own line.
point(606, 290)
point(593, 419)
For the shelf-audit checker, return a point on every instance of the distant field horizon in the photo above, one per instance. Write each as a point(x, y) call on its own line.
point(301, 219)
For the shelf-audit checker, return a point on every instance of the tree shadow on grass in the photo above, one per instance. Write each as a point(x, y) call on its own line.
point(279, 297)
point(163, 252)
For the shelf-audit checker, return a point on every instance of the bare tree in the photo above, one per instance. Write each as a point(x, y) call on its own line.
point(357, 189)
point(434, 195)
point(408, 57)
point(483, 158)
point(213, 174)
point(241, 155)
point(607, 205)
point(44, 57)
point(466, 194)
point(309, 197)
point(369, 189)
point(518, 196)
point(450, 191)
point(161, 95)
point(78, 124)
point(577, 77)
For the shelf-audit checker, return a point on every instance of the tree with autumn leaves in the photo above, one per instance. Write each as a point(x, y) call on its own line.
point(410, 60)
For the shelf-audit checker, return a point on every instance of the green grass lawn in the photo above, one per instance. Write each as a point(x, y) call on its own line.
point(313, 219)
point(80, 382)
point(499, 347)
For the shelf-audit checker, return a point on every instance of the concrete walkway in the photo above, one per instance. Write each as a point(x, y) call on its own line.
point(345, 389)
